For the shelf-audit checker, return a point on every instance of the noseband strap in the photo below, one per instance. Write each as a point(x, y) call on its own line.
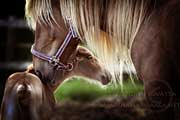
point(54, 60)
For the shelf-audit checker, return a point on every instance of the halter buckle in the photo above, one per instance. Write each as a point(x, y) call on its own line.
point(69, 67)
point(54, 61)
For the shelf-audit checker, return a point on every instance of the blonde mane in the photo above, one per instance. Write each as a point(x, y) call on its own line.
point(108, 27)
point(38, 11)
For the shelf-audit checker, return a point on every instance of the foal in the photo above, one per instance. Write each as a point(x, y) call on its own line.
point(24, 97)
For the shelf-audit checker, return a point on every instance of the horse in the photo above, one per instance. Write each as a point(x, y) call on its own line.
point(139, 33)
point(24, 98)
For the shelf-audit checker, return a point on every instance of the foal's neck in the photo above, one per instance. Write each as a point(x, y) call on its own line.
point(26, 113)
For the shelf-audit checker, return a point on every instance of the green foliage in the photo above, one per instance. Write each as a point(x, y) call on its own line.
point(82, 90)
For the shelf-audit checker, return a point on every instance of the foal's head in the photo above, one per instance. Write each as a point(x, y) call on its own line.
point(85, 65)
point(88, 65)
point(23, 97)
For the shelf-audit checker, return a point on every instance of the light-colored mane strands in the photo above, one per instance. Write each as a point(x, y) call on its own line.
point(38, 11)
point(121, 22)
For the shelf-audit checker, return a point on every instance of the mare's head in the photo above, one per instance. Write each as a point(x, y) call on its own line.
point(23, 97)
point(54, 41)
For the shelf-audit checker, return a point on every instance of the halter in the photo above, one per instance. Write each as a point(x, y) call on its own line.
point(54, 60)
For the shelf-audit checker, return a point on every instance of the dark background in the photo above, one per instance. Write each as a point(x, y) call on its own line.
point(15, 40)
point(12, 7)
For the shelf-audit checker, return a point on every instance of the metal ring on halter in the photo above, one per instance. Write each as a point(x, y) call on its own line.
point(69, 67)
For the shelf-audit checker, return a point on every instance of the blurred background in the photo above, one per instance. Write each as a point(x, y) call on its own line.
point(15, 40)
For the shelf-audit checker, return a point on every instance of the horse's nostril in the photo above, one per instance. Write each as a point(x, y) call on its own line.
point(103, 77)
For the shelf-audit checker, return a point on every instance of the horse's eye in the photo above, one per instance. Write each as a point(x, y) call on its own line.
point(89, 57)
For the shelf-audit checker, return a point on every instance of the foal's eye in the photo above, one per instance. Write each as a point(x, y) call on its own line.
point(89, 57)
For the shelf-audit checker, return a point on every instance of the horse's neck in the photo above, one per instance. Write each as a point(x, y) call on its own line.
point(61, 77)
point(49, 96)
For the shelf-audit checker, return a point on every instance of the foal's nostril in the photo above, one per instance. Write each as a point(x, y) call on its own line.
point(103, 77)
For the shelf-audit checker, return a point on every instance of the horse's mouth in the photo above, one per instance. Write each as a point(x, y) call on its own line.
point(104, 82)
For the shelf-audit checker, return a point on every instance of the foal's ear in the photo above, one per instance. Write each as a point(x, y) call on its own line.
point(30, 69)
point(83, 52)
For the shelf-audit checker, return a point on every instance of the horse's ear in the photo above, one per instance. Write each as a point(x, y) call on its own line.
point(30, 69)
